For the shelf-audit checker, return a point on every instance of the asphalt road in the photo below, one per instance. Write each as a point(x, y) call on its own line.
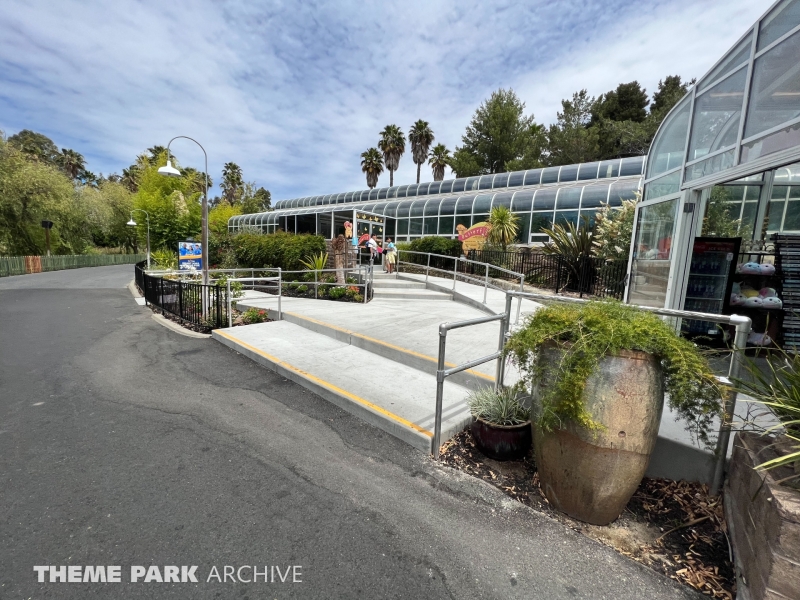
point(125, 443)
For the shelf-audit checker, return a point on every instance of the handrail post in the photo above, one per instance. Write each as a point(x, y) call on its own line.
point(316, 287)
point(230, 314)
point(455, 273)
point(500, 373)
point(428, 268)
point(280, 294)
point(486, 283)
point(437, 427)
point(519, 300)
point(743, 325)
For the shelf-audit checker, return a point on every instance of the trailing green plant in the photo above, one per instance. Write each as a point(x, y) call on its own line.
point(777, 387)
point(588, 332)
point(254, 315)
point(498, 407)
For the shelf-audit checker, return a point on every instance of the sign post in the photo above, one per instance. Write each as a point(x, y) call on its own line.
point(47, 225)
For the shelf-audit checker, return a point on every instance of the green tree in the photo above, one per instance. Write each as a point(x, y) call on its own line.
point(439, 160)
point(393, 145)
point(130, 178)
point(505, 226)
point(571, 140)
point(421, 137)
point(72, 163)
point(669, 91)
point(255, 200)
point(232, 182)
point(372, 166)
point(499, 134)
point(35, 145)
point(627, 103)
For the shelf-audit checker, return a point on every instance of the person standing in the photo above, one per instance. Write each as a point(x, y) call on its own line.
point(391, 255)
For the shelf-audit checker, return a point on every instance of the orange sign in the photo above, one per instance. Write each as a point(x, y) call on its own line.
point(473, 238)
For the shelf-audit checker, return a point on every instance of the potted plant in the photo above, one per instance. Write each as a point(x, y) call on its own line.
point(762, 495)
point(598, 373)
point(502, 427)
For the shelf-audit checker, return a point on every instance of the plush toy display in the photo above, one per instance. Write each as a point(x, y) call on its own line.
point(767, 269)
point(759, 339)
point(737, 300)
point(748, 292)
point(754, 302)
point(772, 303)
point(750, 268)
point(768, 292)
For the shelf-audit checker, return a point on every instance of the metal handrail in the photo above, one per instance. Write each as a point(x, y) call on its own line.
point(743, 326)
point(457, 259)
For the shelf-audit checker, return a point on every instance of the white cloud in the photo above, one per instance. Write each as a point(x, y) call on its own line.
point(295, 92)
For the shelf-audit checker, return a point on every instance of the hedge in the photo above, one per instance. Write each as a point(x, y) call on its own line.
point(436, 245)
point(280, 249)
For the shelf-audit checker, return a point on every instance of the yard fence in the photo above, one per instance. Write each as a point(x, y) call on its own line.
point(21, 265)
point(202, 305)
point(585, 275)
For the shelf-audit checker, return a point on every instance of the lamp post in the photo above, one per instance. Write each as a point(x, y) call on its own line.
point(171, 171)
point(132, 223)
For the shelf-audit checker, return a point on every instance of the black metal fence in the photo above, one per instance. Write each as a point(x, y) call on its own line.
point(195, 303)
point(586, 275)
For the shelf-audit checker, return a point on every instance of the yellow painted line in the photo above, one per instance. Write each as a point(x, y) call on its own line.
point(329, 385)
point(388, 345)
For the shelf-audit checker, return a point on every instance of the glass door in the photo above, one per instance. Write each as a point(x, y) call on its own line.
point(652, 253)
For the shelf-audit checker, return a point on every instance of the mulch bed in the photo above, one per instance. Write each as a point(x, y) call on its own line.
point(672, 527)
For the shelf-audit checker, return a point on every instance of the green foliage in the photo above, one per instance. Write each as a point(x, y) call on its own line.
point(498, 134)
point(232, 183)
point(237, 287)
point(302, 289)
point(279, 249)
point(571, 140)
point(358, 298)
point(421, 137)
point(393, 145)
point(316, 262)
point(372, 166)
point(37, 146)
point(613, 230)
point(505, 226)
point(501, 407)
point(439, 160)
point(164, 258)
point(254, 315)
point(434, 245)
point(255, 200)
point(719, 219)
point(588, 332)
point(335, 293)
point(569, 241)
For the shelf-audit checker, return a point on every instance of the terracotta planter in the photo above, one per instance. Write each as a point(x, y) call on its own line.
point(502, 442)
point(591, 475)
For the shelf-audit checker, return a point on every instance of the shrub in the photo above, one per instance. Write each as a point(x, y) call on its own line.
point(280, 249)
point(302, 289)
point(436, 245)
point(254, 315)
point(502, 407)
point(164, 259)
point(336, 293)
point(358, 298)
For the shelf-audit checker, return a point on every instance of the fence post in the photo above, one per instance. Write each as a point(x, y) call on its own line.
point(437, 427)
point(558, 272)
point(455, 273)
point(280, 294)
point(519, 300)
point(486, 283)
point(428, 268)
point(316, 287)
point(161, 295)
point(499, 374)
point(230, 312)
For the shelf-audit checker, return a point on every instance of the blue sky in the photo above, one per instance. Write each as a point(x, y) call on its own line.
point(294, 92)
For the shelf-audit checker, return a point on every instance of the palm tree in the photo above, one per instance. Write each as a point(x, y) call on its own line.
point(393, 146)
point(196, 179)
point(372, 165)
point(72, 162)
point(421, 137)
point(504, 226)
point(130, 178)
point(439, 160)
point(232, 182)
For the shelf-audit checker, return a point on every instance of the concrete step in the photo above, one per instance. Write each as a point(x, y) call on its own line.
point(398, 283)
point(397, 398)
point(413, 294)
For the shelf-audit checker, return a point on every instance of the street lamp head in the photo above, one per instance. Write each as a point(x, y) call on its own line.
point(132, 223)
point(169, 170)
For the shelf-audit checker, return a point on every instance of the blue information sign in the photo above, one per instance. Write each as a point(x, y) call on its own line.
point(190, 256)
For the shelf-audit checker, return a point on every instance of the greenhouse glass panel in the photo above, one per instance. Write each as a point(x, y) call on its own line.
point(401, 191)
point(791, 219)
point(415, 227)
point(464, 221)
point(446, 225)
point(610, 168)
point(565, 217)
point(373, 195)
point(781, 20)
point(715, 123)
point(472, 184)
point(485, 182)
point(366, 208)
point(568, 198)
point(392, 193)
point(588, 216)
point(483, 203)
point(411, 190)
point(402, 226)
point(541, 220)
point(568, 173)
point(417, 208)
point(588, 171)
point(500, 180)
point(633, 165)
point(776, 206)
point(448, 206)
point(775, 88)
point(430, 225)
point(447, 186)
point(476, 219)
point(664, 186)
point(404, 208)
point(736, 57)
point(594, 196)
point(515, 178)
point(624, 190)
point(382, 193)
point(458, 185)
point(788, 175)
point(391, 209)
point(432, 207)
point(340, 198)
point(524, 233)
point(435, 187)
point(533, 177)
point(666, 151)
point(545, 199)
point(502, 199)
point(523, 201)
point(464, 206)
point(348, 197)
point(550, 175)
point(422, 189)
point(715, 164)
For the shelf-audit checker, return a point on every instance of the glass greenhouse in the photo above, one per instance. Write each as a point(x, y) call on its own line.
point(540, 197)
